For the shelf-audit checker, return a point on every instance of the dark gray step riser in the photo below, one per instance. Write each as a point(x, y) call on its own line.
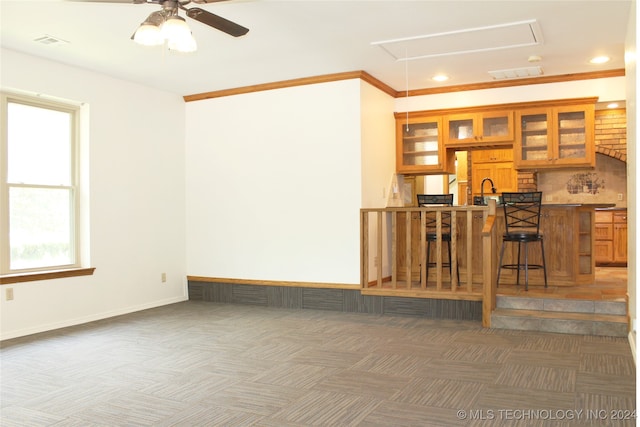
point(618, 308)
point(566, 326)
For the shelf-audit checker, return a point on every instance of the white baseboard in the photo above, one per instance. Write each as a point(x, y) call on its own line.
point(632, 343)
point(91, 318)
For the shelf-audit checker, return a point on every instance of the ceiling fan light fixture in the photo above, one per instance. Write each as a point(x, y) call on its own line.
point(178, 35)
point(186, 44)
point(148, 34)
point(174, 28)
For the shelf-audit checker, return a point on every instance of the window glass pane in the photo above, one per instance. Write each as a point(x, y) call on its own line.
point(39, 145)
point(40, 227)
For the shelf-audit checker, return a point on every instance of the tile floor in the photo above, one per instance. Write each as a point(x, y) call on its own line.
point(610, 284)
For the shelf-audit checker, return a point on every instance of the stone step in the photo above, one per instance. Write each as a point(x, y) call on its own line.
point(614, 307)
point(560, 322)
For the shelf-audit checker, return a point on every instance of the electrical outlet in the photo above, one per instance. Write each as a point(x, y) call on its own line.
point(164, 277)
point(548, 198)
point(8, 293)
point(620, 196)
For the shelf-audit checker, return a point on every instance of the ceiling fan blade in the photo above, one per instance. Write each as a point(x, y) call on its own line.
point(217, 22)
point(119, 1)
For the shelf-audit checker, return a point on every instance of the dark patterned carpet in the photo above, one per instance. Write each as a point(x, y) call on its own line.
point(211, 364)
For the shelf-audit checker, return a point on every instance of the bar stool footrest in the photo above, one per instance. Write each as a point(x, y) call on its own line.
point(523, 267)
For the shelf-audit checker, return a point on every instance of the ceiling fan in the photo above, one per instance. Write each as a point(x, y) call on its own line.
point(174, 28)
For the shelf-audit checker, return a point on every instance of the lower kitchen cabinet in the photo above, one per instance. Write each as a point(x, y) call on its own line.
point(611, 237)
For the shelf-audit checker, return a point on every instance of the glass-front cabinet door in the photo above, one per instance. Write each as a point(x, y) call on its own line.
point(419, 147)
point(497, 127)
point(533, 138)
point(478, 129)
point(554, 137)
point(574, 135)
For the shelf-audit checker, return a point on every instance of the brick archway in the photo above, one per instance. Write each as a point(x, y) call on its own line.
point(612, 153)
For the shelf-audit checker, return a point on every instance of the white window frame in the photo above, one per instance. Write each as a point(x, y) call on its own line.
point(74, 187)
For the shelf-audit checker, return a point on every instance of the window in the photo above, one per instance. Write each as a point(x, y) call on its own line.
point(40, 197)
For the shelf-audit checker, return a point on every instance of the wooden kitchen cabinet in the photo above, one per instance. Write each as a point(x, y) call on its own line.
point(488, 156)
point(611, 237)
point(477, 129)
point(494, 164)
point(542, 134)
point(419, 146)
point(555, 136)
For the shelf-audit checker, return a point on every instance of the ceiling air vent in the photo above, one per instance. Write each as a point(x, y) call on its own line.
point(50, 40)
point(516, 73)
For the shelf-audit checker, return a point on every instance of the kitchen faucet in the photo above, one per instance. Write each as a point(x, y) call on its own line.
point(493, 189)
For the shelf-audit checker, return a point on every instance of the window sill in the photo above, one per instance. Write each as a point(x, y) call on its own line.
point(45, 275)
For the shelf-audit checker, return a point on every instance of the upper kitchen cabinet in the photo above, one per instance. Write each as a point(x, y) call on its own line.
point(481, 129)
point(555, 136)
point(419, 146)
point(494, 164)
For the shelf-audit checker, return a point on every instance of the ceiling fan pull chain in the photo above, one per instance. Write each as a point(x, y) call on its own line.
point(406, 83)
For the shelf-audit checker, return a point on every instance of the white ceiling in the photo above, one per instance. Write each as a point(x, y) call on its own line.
point(299, 38)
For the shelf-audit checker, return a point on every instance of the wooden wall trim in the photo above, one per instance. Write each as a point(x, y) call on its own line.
point(363, 75)
point(355, 286)
point(45, 275)
point(517, 82)
point(294, 82)
point(494, 107)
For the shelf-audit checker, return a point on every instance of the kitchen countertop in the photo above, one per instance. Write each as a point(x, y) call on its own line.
point(585, 205)
point(599, 206)
point(613, 208)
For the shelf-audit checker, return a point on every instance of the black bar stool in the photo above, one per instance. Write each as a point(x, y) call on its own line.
point(438, 200)
point(522, 222)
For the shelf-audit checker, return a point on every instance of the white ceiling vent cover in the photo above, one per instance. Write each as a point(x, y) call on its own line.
point(50, 40)
point(515, 73)
point(471, 40)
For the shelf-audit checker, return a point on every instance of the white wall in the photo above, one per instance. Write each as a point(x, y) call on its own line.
point(378, 164)
point(633, 156)
point(378, 145)
point(136, 188)
point(273, 184)
point(607, 89)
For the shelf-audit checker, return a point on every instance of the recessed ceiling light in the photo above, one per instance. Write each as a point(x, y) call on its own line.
point(599, 60)
point(440, 78)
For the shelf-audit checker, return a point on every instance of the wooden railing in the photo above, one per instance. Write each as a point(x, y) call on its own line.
point(393, 251)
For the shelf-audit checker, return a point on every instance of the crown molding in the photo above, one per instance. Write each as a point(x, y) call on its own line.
point(516, 82)
point(364, 76)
